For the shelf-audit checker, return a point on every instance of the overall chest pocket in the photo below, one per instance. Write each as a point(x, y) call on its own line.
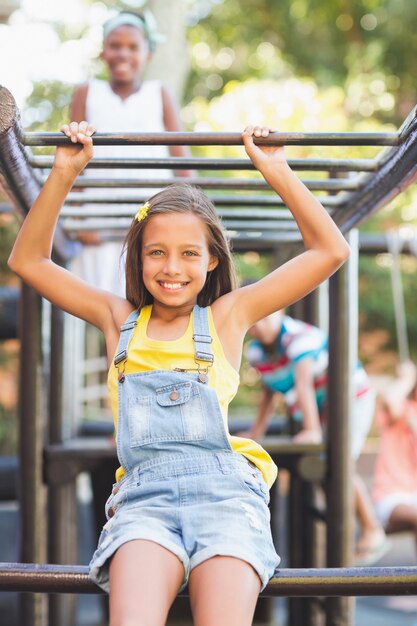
point(174, 413)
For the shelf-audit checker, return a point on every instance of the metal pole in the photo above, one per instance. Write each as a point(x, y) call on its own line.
point(247, 184)
point(342, 362)
point(62, 504)
point(318, 582)
point(32, 608)
point(394, 245)
point(219, 139)
point(185, 163)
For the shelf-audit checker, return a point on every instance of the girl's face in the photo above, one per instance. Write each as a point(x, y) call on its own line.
point(175, 258)
point(126, 52)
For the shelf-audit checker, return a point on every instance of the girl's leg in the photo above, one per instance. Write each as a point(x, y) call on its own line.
point(223, 592)
point(403, 517)
point(144, 580)
point(372, 534)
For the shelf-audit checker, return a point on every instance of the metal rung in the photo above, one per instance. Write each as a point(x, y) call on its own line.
point(219, 139)
point(241, 184)
point(181, 163)
point(326, 582)
point(218, 200)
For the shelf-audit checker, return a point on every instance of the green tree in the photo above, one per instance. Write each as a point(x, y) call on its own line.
point(368, 46)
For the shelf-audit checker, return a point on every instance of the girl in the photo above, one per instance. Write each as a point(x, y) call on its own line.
point(395, 477)
point(190, 502)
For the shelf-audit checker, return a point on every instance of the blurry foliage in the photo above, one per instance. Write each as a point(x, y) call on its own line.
point(8, 230)
point(8, 432)
point(376, 300)
point(47, 106)
point(336, 43)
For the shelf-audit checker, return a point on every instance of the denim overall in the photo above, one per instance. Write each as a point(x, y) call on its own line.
point(184, 487)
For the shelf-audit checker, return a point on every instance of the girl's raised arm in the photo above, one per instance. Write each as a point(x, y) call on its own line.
point(31, 254)
point(325, 247)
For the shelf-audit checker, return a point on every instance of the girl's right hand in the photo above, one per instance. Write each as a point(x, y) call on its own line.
point(262, 156)
point(75, 157)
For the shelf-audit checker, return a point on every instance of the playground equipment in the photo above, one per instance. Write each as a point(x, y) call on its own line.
point(48, 467)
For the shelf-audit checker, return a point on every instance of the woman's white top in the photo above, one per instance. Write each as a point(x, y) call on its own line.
point(141, 112)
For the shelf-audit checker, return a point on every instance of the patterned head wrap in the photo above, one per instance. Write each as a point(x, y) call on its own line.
point(144, 22)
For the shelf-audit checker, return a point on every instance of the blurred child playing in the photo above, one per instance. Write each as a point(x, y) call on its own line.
point(291, 358)
point(395, 477)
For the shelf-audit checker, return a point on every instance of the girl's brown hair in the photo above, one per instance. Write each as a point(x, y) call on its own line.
point(181, 198)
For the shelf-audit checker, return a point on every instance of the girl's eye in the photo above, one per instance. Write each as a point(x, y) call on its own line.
point(156, 252)
point(190, 253)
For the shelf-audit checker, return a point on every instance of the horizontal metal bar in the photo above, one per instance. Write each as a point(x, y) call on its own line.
point(377, 243)
point(232, 200)
point(118, 212)
point(243, 184)
point(219, 139)
point(182, 163)
point(264, 225)
point(155, 183)
point(360, 581)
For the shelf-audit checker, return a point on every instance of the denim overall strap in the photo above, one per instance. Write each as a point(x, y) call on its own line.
point(201, 337)
point(169, 413)
point(126, 331)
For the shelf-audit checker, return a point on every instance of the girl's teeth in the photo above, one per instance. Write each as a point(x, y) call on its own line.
point(172, 285)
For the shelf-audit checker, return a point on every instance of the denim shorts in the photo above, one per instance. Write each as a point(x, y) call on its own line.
point(196, 506)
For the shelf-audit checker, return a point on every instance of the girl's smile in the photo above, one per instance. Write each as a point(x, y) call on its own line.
point(172, 286)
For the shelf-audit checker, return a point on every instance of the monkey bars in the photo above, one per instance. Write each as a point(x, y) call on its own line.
point(366, 185)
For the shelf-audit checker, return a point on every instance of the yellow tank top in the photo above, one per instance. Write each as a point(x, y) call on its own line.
point(145, 354)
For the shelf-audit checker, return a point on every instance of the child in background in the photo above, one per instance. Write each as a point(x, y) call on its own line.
point(395, 477)
point(190, 502)
point(291, 358)
point(124, 103)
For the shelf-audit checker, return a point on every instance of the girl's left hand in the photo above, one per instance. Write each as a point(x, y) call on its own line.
point(262, 156)
point(75, 156)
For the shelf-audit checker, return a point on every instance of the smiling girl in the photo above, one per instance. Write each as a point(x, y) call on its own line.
point(190, 502)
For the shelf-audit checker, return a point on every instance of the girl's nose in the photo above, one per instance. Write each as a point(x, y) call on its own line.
point(172, 266)
point(123, 52)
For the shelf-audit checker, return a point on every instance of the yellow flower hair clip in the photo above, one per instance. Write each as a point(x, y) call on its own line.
point(142, 212)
